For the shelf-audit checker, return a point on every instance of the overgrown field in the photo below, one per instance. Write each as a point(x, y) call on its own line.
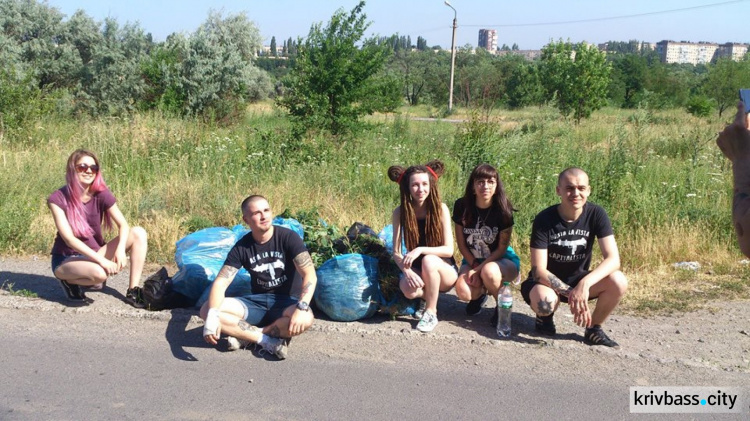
point(659, 175)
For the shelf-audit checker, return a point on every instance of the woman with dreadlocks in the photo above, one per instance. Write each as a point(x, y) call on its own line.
point(424, 222)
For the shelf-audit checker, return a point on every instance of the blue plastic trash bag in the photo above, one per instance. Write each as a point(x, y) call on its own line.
point(348, 287)
point(199, 257)
point(292, 224)
point(387, 236)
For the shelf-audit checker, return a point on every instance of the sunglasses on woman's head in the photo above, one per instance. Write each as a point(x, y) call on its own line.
point(85, 167)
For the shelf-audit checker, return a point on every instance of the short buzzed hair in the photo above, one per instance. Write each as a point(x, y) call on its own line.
point(250, 199)
point(574, 170)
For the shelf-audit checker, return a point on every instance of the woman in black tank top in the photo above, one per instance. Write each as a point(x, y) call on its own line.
point(423, 221)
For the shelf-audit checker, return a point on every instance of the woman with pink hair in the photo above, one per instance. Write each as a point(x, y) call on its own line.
point(80, 256)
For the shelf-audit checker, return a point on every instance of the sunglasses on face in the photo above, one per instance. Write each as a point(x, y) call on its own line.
point(81, 168)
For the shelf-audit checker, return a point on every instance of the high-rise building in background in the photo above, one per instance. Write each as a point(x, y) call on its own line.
point(699, 52)
point(488, 39)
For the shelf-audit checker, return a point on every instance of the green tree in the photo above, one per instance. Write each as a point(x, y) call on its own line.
point(111, 83)
point(524, 86)
point(334, 82)
point(629, 76)
point(723, 81)
point(216, 72)
point(273, 47)
point(578, 82)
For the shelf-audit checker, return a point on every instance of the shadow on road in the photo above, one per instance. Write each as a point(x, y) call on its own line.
point(179, 337)
point(45, 287)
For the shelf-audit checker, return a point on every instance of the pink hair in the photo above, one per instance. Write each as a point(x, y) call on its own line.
point(74, 206)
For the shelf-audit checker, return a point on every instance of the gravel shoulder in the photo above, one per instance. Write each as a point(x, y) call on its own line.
point(710, 343)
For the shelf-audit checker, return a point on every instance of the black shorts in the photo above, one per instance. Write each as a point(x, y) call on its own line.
point(530, 283)
point(417, 265)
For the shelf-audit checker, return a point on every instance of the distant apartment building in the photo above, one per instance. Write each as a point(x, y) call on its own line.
point(699, 52)
point(641, 46)
point(732, 50)
point(488, 39)
point(686, 52)
point(530, 55)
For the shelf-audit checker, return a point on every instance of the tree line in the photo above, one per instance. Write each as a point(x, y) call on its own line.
point(78, 66)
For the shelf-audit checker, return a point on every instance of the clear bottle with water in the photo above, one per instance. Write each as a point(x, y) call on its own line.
point(504, 310)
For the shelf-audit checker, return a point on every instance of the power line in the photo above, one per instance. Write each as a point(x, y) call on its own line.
point(638, 15)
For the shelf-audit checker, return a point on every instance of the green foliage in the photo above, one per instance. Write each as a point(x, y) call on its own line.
point(335, 82)
point(699, 106)
point(319, 235)
point(578, 83)
point(21, 102)
point(723, 81)
point(215, 75)
point(631, 70)
point(112, 82)
point(472, 145)
point(524, 86)
point(10, 287)
point(415, 71)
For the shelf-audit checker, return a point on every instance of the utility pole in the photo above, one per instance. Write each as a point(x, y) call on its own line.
point(453, 57)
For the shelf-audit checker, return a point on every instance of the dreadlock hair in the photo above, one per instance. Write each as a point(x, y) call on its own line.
point(433, 225)
point(74, 205)
point(499, 199)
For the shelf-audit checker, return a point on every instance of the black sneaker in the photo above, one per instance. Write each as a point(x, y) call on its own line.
point(545, 325)
point(475, 306)
point(134, 297)
point(493, 319)
point(596, 336)
point(73, 291)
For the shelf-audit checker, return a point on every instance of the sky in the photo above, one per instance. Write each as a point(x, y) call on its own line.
point(531, 23)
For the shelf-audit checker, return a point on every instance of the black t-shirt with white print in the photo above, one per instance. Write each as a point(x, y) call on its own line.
point(569, 244)
point(271, 264)
point(483, 238)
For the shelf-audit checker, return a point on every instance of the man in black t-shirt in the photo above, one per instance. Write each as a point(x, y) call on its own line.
point(562, 240)
point(282, 279)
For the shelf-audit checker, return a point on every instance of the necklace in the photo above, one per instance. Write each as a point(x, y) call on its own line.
point(481, 219)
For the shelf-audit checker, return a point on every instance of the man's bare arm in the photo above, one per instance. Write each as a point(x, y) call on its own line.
point(551, 281)
point(304, 264)
point(218, 288)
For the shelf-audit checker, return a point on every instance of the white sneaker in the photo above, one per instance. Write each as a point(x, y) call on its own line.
point(234, 344)
point(275, 346)
point(428, 322)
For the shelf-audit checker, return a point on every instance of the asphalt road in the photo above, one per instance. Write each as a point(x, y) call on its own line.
point(110, 361)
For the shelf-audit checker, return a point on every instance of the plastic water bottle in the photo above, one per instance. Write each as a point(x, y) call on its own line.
point(504, 310)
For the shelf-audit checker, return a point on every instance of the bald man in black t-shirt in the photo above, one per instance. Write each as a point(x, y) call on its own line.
point(562, 241)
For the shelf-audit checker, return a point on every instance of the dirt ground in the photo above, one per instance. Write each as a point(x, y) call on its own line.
point(716, 337)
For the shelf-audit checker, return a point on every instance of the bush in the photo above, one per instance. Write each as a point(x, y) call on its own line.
point(699, 106)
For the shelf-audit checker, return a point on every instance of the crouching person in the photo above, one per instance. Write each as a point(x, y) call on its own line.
point(562, 239)
point(283, 282)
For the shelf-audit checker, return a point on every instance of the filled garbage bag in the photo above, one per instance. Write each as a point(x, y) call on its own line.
point(199, 257)
point(290, 223)
point(348, 287)
point(387, 236)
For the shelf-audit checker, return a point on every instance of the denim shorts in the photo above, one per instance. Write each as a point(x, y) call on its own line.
point(58, 259)
point(264, 309)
